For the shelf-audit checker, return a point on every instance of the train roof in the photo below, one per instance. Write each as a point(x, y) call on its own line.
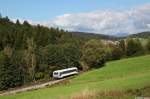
point(65, 69)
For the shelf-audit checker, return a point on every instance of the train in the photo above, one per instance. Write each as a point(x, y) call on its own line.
point(65, 72)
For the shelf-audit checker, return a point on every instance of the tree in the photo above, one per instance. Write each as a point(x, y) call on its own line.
point(122, 45)
point(148, 45)
point(9, 73)
point(117, 53)
point(30, 57)
point(134, 47)
point(93, 54)
point(18, 60)
point(62, 56)
point(26, 23)
point(17, 22)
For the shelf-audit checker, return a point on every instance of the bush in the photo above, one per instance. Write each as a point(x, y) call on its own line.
point(39, 75)
point(134, 47)
point(122, 45)
point(93, 54)
point(117, 53)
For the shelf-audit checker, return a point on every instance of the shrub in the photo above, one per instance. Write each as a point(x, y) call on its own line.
point(117, 53)
point(134, 47)
point(93, 54)
point(39, 75)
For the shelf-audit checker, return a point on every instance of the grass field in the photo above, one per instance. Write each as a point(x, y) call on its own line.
point(124, 75)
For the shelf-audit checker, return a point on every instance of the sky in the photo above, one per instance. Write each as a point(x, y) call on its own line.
point(98, 16)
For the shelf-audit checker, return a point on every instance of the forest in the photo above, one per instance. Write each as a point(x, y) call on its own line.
point(30, 53)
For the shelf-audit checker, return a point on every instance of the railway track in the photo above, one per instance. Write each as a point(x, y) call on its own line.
point(33, 87)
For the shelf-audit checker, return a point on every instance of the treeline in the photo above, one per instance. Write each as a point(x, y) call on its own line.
point(32, 52)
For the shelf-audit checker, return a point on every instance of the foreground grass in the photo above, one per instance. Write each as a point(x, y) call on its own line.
point(117, 76)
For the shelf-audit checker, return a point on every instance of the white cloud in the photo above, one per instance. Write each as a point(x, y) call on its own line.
point(106, 22)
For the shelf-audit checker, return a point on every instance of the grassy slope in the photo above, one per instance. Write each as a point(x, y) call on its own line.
point(121, 75)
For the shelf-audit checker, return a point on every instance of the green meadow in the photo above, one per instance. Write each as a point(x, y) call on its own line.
point(121, 75)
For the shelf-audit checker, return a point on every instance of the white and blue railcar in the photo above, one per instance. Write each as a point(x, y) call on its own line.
point(65, 72)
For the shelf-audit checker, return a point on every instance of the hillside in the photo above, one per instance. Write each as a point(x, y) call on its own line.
point(141, 35)
point(33, 52)
point(116, 77)
point(93, 35)
point(108, 37)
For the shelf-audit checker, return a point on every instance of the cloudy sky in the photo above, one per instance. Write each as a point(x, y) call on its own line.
point(99, 16)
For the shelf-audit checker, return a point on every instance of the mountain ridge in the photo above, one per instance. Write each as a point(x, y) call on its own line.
point(145, 34)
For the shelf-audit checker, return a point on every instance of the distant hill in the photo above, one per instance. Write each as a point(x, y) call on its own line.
point(108, 37)
point(141, 35)
point(121, 34)
point(93, 35)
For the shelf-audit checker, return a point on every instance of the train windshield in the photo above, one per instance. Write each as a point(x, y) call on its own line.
point(55, 73)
